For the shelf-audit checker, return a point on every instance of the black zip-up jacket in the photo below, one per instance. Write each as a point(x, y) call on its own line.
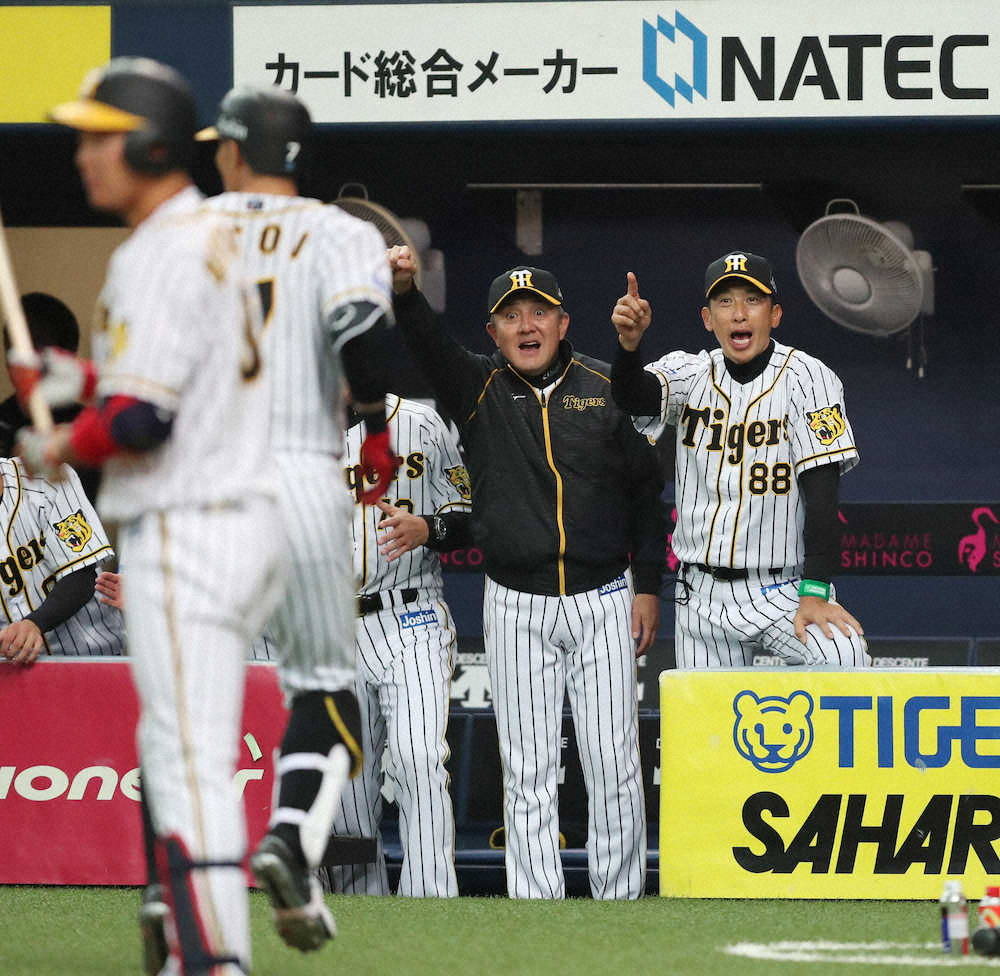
point(565, 492)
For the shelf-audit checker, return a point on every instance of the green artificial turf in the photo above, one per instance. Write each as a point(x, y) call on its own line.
point(70, 931)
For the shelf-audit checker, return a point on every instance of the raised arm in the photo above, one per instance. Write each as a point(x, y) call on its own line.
point(453, 372)
point(634, 390)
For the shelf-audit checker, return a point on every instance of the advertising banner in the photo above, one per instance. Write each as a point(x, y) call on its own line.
point(838, 784)
point(69, 779)
point(628, 59)
point(882, 539)
point(920, 539)
point(44, 52)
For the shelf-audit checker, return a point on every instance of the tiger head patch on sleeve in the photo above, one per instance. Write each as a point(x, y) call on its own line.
point(827, 423)
point(74, 531)
point(459, 477)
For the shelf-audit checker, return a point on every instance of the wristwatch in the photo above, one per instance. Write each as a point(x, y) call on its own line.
point(440, 528)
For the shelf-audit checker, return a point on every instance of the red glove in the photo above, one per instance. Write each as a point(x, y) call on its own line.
point(378, 465)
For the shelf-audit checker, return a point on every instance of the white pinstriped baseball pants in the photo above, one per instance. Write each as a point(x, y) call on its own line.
point(313, 626)
point(193, 602)
point(404, 674)
point(722, 624)
point(538, 648)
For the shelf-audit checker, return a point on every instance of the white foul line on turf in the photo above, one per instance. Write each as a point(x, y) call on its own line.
point(855, 953)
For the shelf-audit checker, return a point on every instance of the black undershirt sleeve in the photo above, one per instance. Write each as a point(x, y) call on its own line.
point(67, 596)
point(455, 374)
point(458, 532)
point(820, 488)
point(634, 389)
point(365, 357)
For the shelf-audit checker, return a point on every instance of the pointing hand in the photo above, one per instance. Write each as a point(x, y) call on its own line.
point(631, 315)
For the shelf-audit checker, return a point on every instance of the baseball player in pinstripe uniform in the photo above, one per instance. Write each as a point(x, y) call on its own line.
point(566, 508)
point(405, 637)
point(762, 439)
point(323, 282)
point(179, 423)
point(54, 542)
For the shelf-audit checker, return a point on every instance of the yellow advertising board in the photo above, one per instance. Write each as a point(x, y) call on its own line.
point(829, 784)
point(45, 53)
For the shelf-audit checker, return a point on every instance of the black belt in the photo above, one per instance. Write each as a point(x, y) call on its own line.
point(372, 602)
point(730, 575)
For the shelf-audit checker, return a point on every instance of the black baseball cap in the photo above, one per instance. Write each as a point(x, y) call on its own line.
point(744, 265)
point(523, 278)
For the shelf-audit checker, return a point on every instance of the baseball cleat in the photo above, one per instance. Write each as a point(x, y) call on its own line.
point(152, 926)
point(301, 917)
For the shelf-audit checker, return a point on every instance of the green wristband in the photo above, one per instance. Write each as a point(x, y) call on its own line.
point(809, 587)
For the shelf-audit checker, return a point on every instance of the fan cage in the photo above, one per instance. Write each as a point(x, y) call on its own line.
point(385, 221)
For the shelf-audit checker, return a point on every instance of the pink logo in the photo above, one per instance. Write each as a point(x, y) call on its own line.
point(972, 548)
point(672, 561)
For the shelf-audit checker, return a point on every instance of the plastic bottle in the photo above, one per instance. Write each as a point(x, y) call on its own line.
point(954, 919)
point(989, 908)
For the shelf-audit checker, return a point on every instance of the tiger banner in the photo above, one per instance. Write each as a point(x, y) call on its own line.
point(795, 783)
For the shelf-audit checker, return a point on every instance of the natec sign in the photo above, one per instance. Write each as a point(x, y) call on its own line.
point(839, 784)
point(700, 59)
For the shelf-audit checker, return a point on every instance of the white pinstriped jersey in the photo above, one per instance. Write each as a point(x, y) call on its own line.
point(51, 530)
point(431, 480)
point(308, 260)
point(174, 329)
point(740, 449)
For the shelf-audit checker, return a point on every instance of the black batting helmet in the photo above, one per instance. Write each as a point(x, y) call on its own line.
point(271, 126)
point(149, 101)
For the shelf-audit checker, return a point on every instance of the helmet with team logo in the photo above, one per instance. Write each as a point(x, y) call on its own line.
point(271, 126)
point(145, 99)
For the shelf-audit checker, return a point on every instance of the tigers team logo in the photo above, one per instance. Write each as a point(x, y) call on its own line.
point(773, 733)
point(520, 279)
point(827, 423)
point(459, 478)
point(736, 262)
point(74, 531)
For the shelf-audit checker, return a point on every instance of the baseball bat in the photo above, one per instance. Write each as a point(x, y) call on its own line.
point(17, 331)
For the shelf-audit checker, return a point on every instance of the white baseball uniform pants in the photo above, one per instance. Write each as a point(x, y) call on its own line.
point(721, 623)
point(200, 584)
point(313, 626)
point(538, 648)
point(404, 675)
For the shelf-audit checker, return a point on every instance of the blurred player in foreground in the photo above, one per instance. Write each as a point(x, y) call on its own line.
point(323, 281)
point(179, 425)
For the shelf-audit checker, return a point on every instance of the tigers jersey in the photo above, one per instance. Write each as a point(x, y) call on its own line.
point(308, 260)
point(740, 449)
point(404, 666)
point(51, 530)
point(431, 480)
point(175, 330)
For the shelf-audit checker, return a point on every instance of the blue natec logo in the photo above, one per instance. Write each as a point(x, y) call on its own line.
point(685, 87)
point(772, 732)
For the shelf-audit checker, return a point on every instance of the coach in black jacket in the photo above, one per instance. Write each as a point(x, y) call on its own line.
point(567, 511)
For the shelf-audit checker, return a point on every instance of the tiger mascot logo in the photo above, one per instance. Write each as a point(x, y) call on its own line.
point(827, 423)
point(74, 531)
point(773, 733)
point(459, 477)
